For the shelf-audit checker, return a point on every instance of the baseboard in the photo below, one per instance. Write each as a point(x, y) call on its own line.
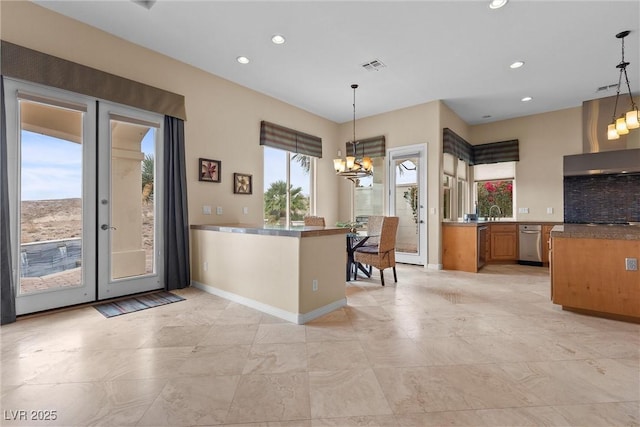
point(297, 318)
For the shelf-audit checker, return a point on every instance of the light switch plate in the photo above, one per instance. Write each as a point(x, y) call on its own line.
point(631, 264)
point(206, 210)
point(523, 210)
point(549, 211)
point(245, 210)
point(219, 210)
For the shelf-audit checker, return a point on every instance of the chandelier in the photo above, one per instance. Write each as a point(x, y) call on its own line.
point(352, 167)
point(631, 120)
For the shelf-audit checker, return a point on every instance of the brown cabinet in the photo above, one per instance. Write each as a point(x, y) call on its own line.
point(546, 242)
point(503, 242)
point(460, 248)
point(589, 275)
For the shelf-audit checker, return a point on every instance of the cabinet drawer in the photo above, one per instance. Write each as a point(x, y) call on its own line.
point(503, 228)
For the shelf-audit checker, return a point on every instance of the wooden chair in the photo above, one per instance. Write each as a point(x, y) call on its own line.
point(317, 221)
point(384, 255)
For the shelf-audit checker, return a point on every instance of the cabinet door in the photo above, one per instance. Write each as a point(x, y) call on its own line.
point(504, 243)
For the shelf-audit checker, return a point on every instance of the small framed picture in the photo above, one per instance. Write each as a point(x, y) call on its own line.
point(242, 183)
point(209, 170)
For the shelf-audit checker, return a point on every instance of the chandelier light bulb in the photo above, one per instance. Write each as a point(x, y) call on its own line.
point(350, 162)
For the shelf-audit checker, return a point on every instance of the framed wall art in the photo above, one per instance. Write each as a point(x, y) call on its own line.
point(209, 170)
point(242, 183)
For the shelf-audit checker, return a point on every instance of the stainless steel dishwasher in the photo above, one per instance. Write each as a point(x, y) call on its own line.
point(530, 244)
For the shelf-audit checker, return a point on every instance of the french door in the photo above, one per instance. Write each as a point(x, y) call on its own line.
point(128, 216)
point(75, 169)
point(406, 174)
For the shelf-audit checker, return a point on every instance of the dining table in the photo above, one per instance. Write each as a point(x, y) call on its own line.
point(356, 240)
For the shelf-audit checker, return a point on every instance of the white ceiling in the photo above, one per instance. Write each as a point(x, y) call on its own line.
point(457, 51)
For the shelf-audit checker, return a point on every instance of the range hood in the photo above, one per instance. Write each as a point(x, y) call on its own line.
point(604, 162)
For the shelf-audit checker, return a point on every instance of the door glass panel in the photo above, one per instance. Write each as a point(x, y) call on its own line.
point(132, 215)
point(51, 206)
point(407, 203)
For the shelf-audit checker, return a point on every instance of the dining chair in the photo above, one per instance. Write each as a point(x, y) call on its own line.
point(317, 221)
point(374, 227)
point(382, 256)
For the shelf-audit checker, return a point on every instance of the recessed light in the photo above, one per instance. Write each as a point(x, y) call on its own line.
point(497, 4)
point(278, 39)
point(242, 59)
point(526, 99)
point(517, 64)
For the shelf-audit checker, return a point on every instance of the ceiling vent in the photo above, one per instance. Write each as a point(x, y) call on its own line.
point(374, 65)
point(147, 4)
point(608, 87)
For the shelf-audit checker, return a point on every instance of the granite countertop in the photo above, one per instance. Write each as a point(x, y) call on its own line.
point(479, 223)
point(592, 231)
point(266, 230)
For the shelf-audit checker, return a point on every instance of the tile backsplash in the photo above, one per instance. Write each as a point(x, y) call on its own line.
point(602, 198)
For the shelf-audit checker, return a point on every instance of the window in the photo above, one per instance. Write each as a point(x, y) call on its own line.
point(495, 188)
point(368, 197)
point(287, 187)
point(455, 187)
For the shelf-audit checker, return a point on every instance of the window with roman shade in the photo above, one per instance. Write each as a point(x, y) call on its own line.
point(368, 194)
point(293, 141)
point(289, 162)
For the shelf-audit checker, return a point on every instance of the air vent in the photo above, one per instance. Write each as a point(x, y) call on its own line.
point(605, 88)
point(374, 65)
point(147, 4)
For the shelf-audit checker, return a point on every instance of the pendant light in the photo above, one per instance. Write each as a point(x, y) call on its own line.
point(352, 167)
point(631, 119)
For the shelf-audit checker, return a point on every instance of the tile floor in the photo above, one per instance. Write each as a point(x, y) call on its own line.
point(438, 348)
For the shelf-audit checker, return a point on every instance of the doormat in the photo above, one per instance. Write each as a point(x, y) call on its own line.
point(130, 305)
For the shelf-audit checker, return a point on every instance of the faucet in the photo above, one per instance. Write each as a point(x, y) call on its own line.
point(491, 209)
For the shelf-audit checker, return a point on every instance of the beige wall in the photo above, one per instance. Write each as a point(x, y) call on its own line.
point(408, 126)
point(544, 139)
point(223, 124)
point(223, 119)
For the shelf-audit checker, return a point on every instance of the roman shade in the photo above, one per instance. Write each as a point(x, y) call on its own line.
point(37, 67)
point(494, 152)
point(455, 145)
point(276, 136)
point(370, 147)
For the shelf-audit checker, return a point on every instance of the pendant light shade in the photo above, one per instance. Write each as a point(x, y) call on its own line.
point(612, 133)
point(633, 119)
point(630, 120)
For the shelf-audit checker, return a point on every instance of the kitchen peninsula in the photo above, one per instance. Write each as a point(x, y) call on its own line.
point(589, 269)
point(295, 273)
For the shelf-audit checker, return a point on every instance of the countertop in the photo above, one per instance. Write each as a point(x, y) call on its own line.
point(589, 231)
point(480, 223)
point(266, 230)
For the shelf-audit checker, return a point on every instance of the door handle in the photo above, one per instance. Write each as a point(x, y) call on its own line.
point(106, 227)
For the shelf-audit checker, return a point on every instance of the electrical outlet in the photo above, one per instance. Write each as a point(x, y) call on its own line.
point(523, 210)
point(245, 210)
point(205, 266)
point(549, 211)
point(315, 285)
point(219, 210)
point(206, 210)
point(631, 264)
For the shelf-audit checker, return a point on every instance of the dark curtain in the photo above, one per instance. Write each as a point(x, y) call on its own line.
point(176, 218)
point(7, 292)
